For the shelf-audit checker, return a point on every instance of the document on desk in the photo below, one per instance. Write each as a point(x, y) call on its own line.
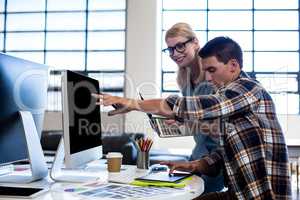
point(103, 190)
point(119, 191)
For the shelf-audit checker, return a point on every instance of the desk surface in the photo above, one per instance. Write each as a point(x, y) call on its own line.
point(56, 189)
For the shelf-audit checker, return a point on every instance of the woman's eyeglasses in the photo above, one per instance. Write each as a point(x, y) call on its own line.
point(179, 47)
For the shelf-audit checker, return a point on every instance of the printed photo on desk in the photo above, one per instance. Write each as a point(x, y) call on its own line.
point(119, 191)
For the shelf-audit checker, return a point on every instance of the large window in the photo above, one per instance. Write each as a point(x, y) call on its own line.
point(267, 30)
point(81, 35)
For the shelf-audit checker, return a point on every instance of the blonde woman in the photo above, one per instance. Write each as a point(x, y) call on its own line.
point(183, 48)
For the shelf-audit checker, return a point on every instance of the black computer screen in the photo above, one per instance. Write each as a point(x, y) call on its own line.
point(84, 114)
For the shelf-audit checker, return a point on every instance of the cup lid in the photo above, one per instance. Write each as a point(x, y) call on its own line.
point(114, 155)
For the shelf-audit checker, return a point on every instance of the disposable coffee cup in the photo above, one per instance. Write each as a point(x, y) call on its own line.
point(114, 161)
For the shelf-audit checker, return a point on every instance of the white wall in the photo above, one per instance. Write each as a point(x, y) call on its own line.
point(142, 56)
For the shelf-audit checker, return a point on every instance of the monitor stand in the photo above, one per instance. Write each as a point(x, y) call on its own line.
point(58, 173)
point(37, 162)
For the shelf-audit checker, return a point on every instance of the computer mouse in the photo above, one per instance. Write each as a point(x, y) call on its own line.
point(159, 168)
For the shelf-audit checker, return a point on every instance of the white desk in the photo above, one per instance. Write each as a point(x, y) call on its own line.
point(56, 191)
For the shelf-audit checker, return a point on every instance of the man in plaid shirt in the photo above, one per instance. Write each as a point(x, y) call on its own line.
point(253, 152)
point(253, 148)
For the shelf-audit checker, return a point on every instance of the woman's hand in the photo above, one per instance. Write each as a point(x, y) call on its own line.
point(121, 105)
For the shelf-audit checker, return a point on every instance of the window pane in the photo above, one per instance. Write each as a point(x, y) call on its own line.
point(1, 41)
point(230, 4)
point(279, 19)
point(66, 21)
point(277, 61)
point(266, 40)
point(24, 41)
point(286, 103)
point(32, 56)
point(109, 80)
point(65, 41)
point(106, 61)
point(54, 101)
point(106, 20)
point(244, 38)
point(55, 80)
point(2, 5)
point(169, 81)
point(65, 45)
point(107, 5)
point(66, 5)
point(1, 22)
point(186, 4)
point(278, 82)
point(197, 20)
point(276, 4)
point(167, 63)
point(106, 40)
point(65, 60)
point(223, 20)
point(202, 37)
point(247, 61)
point(28, 5)
point(25, 22)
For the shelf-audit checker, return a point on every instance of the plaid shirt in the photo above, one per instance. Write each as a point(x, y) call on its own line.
point(252, 143)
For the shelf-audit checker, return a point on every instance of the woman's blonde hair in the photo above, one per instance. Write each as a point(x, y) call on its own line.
point(184, 74)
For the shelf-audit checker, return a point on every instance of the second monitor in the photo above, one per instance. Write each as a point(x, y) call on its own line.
point(81, 119)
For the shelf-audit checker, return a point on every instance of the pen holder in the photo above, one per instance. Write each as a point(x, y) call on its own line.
point(142, 160)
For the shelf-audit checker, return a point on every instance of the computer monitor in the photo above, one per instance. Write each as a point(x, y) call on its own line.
point(23, 87)
point(81, 119)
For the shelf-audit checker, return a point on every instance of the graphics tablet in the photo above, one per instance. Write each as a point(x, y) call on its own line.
point(164, 177)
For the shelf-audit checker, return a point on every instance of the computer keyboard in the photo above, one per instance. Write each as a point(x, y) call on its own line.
point(6, 169)
point(115, 191)
point(168, 130)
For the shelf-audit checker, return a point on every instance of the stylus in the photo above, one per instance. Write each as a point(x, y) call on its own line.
point(148, 114)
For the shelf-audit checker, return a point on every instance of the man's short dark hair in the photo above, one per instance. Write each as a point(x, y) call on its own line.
point(224, 49)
